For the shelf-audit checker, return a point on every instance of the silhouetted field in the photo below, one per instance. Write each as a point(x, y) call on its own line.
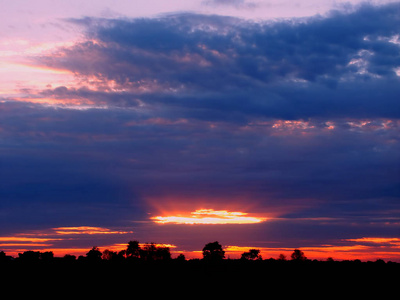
point(192, 279)
point(248, 271)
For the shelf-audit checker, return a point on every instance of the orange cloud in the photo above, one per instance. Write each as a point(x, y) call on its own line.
point(26, 239)
point(23, 245)
point(376, 240)
point(48, 240)
point(86, 230)
point(209, 216)
point(80, 104)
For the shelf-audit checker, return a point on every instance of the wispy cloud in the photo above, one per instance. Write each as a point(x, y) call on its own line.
point(86, 230)
point(55, 239)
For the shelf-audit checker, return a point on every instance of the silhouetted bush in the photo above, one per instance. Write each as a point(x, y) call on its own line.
point(213, 252)
point(94, 254)
point(252, 254)
point(298, 255)
point(29, 256)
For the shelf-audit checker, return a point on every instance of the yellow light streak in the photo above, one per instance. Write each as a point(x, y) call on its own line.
point(25, 239)
point(85, 230)
point(23, 245)
point(376, 240)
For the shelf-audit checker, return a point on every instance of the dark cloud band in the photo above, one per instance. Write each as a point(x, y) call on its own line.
point(341, 65)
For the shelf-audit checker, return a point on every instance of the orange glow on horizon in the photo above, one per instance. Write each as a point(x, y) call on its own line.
point(49, 239)
point(322, 252)
point(209, 216)
point(55, 239)
point(123, 246)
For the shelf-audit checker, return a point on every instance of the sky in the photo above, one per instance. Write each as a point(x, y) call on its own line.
point(271, 125)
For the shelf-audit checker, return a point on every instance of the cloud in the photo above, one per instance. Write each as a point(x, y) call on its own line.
point(294, 119)
point(211, 66)
point(66, 157)
point(61, 240)
point(118, 168)
point(235, 3)
point(85, 230)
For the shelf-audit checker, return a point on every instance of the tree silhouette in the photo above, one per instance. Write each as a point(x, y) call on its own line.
point(213, 252)
point(133, 249)
point(47, 256)
point(122, 254)
point(94, 254)
point(69, 257)
point(298, 255)
point(148, 252)
point(163, 253)
point(282, 257)
point(29, 256)
point(252, 254)
point(151, 252)
point(109, 255)
point(181, 257)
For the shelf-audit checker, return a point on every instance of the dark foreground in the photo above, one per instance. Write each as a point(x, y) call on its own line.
point(198, 278)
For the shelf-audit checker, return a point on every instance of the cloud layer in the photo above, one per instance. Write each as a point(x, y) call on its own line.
point(212, 66)
point(297, 120)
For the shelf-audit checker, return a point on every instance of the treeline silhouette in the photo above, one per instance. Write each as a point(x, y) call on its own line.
point(152, 265)
point(151, 253)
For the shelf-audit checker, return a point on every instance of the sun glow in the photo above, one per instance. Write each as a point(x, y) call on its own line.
point(209, 216)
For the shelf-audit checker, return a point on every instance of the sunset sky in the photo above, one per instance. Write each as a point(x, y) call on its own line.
point(270, 124)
